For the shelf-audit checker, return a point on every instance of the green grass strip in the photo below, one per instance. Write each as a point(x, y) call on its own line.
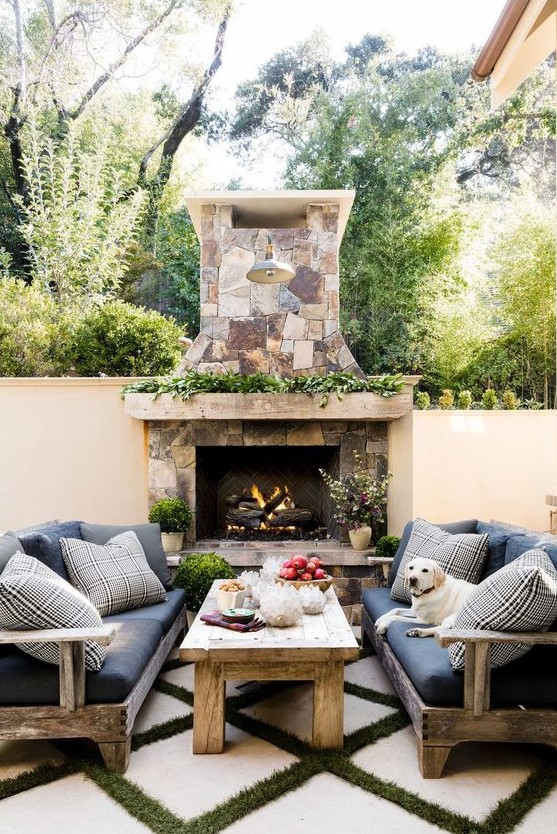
point(44, 774)
point(175, 691)
point(345, 769)
point(371, 733)
point(160, 732)
point(372, 695)
point(510, 811)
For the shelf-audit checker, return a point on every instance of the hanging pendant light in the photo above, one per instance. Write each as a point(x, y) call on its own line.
point(270, 271)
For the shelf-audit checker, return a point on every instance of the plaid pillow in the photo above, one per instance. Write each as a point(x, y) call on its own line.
point(461, 555)
point(522, 596)
point(114, 576)
point(32, 596)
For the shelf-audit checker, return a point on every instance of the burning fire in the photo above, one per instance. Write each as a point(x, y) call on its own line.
point(286, 503)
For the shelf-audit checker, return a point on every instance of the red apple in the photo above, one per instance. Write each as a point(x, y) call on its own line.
point(282, 573)
point(316, 561)
point(311, 568)
point(291, 573)
point(287, 564)
point(306, 577)
point(299, 562)
point(319, 574)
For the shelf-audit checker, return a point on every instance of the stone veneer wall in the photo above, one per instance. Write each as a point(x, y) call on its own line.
point(284, 329)
point(172, 447)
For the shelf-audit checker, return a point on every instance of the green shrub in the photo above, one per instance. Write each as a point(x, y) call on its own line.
point(33, 334)
point(119, 339)
point(423, 400)
point(509, 401)
point(172, 514)
point(197, 572)
point(387, 546)
point(446, 400)
point(464, 400)
point(489, 399)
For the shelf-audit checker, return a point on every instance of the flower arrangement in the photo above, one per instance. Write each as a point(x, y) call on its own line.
point(360, 498)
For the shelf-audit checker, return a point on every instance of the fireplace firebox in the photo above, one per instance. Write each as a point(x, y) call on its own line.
point(264, 493)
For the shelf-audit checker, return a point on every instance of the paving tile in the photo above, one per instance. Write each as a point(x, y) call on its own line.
point(292, 710)
point(475, 779)
point(190, 785)
point(368, 672)
point(326, 804)
point(158, 708)
point(18, 756)
point(73, 804)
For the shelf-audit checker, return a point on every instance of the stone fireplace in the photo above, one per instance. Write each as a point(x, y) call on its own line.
point(214, 446)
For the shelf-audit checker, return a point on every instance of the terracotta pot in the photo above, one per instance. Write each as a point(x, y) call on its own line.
point(360, 538)
point(172, 542)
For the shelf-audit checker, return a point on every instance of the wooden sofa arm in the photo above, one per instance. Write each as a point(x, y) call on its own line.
point(477, 670)
point(384, 561)
point(72, 655)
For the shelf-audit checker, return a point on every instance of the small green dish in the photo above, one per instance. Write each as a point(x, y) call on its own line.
point(238, 615)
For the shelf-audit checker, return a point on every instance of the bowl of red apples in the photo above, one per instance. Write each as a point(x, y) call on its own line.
point(302, 572)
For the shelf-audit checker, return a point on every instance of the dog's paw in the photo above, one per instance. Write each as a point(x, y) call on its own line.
point(413, 632)
point(381, 627)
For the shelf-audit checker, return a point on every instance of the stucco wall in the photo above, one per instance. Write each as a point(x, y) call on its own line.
point(68, 451)
point(473, 464)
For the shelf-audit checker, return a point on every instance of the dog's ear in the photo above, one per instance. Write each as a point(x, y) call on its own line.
point(438, 576)
point(406, 575)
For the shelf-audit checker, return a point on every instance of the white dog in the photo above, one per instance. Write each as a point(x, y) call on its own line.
point(436, 598)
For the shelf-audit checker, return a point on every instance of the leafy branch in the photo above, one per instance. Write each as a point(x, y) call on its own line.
point(197, 382)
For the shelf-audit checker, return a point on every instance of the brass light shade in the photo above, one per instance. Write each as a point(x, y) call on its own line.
point(270, 271)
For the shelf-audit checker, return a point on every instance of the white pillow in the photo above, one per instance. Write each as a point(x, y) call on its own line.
point(114, 576)
point(32, 596)
point(521, 596)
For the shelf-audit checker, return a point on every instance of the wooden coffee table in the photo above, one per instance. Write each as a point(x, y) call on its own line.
point(315, 650)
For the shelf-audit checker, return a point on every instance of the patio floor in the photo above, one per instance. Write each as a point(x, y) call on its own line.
point(373, 786)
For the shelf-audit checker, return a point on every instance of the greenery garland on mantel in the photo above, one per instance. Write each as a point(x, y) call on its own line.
point(206, 382)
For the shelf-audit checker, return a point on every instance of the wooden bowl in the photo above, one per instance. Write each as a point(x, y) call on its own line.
point(322, 584)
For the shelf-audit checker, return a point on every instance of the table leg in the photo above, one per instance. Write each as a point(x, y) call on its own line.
point(328, 705)
point(208, 708)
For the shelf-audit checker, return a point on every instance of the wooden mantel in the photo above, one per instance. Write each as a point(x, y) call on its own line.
point(358, 406)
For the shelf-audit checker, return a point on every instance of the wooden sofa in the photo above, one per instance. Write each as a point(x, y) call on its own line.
point(513, 703)
point(41, 701)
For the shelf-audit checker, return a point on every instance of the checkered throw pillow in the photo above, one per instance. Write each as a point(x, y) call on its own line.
point(32, 596)
point(521, 596)
point(114, 576)
point(461, 555)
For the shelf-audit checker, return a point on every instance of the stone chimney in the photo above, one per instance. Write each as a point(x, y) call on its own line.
point(288, 329)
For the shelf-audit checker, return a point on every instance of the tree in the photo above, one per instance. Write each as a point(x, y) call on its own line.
point(53, 55)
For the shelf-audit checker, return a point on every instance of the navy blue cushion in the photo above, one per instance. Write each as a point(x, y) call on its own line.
point(377, 601)
point(517, 545)
point(530, 680)
point(44, 544)
point(466, 526)
point(164, 613)
point(25, 681)
point(9, 545)
point(499, 535)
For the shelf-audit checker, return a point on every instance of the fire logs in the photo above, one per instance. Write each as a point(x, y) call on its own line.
point(258, 512)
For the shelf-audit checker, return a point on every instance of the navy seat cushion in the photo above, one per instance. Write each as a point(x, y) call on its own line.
point(25, 681)
point(530, 681)
point(44, 544)
point(164, 613)
point(149, 536)
point(466, 526)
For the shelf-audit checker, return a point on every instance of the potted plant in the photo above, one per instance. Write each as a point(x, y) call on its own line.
point(361, 502)
point(174, 517)
point(196, 573)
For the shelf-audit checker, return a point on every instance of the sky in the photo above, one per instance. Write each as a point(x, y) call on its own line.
point(260, 28)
